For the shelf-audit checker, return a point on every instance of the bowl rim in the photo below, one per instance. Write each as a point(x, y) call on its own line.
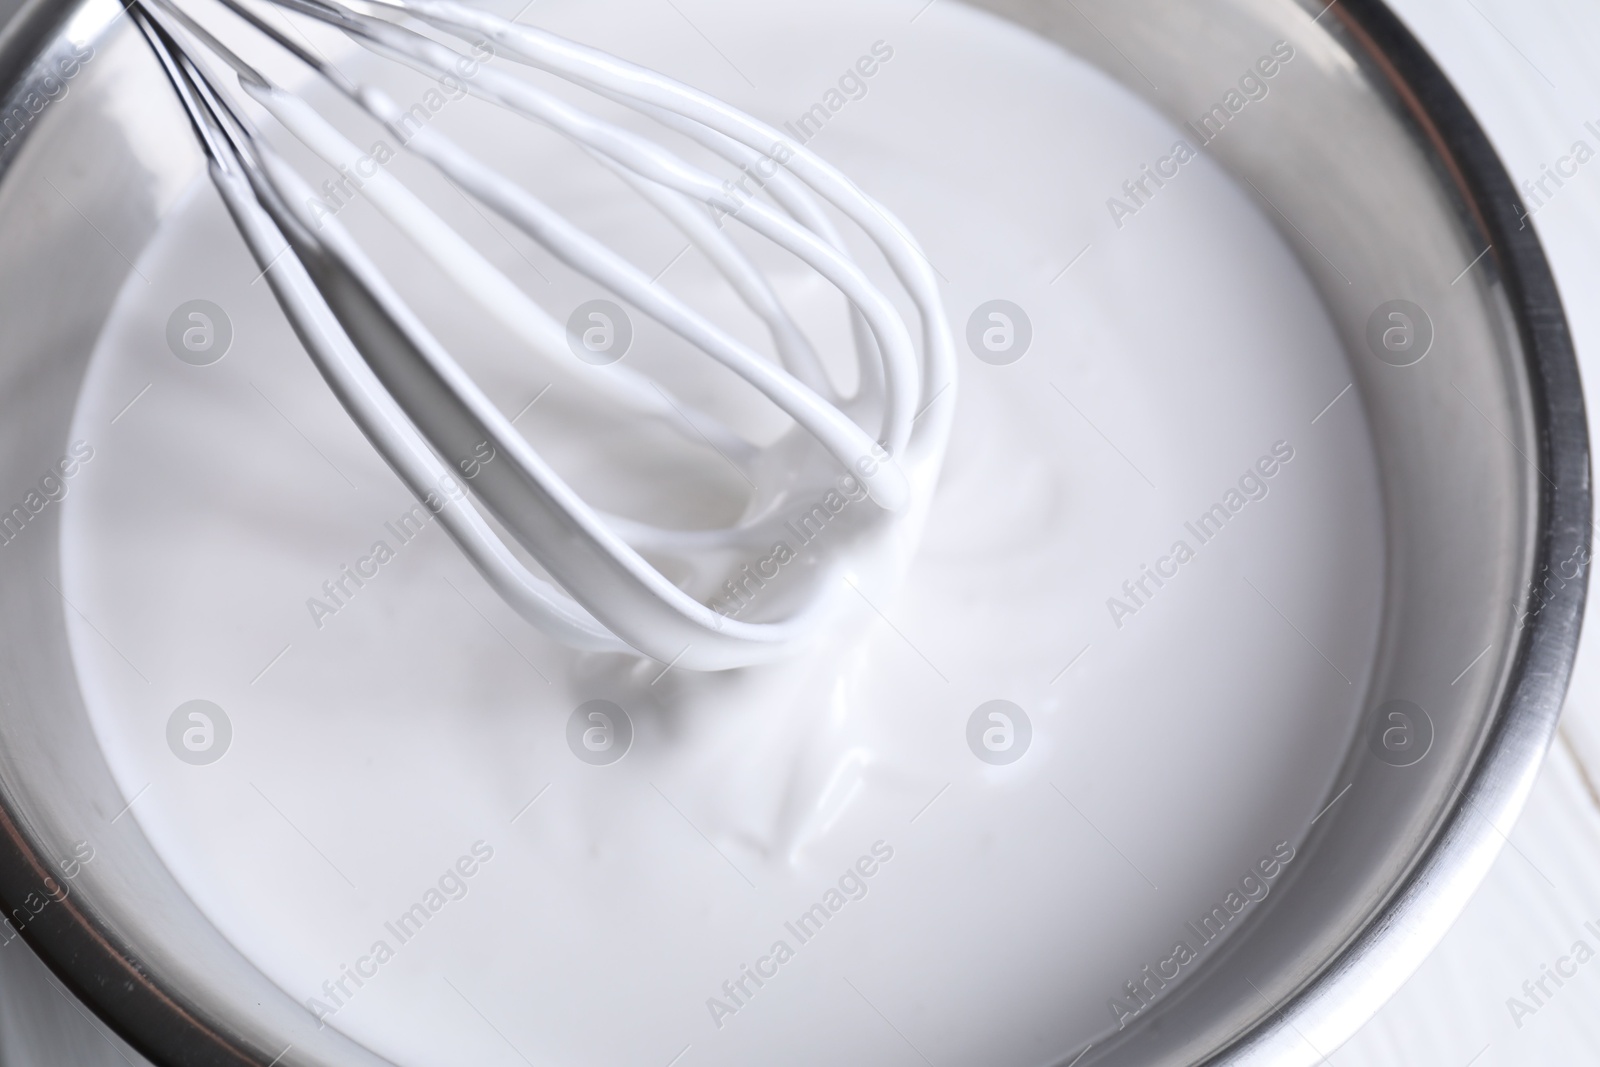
point(1400, 934)
point(1408, 924)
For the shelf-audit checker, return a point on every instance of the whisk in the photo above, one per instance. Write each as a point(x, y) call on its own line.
point(427, 418)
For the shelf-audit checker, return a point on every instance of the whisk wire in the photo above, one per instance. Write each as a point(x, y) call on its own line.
point(420, 409)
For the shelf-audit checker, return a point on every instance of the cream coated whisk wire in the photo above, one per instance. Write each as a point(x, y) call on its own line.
point(423, 413)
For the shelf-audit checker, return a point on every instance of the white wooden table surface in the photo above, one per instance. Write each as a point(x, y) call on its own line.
point(1530, 69)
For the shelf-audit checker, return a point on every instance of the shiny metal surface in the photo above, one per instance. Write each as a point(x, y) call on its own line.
point(1376, 175)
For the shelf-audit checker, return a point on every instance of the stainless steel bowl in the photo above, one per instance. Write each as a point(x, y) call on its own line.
point(1369, 161)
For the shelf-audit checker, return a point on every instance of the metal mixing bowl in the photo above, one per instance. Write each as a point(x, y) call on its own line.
point(1369, 160)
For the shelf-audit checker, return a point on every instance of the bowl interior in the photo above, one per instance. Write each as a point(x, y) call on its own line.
point(1366, 182)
